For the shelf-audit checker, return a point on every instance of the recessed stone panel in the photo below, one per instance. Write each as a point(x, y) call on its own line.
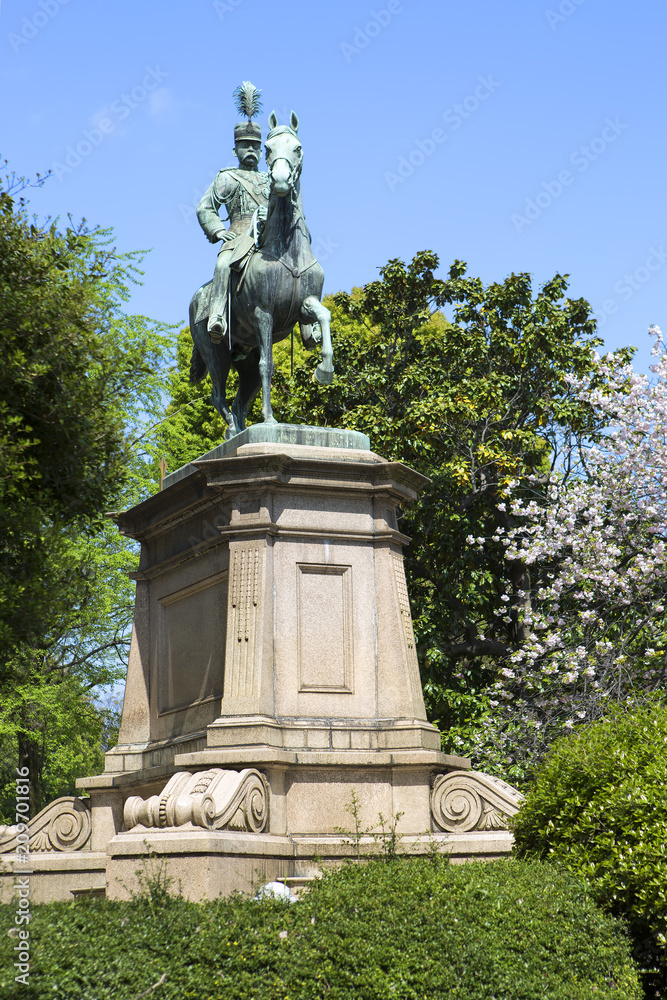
point(192, 625)
point(324, 611)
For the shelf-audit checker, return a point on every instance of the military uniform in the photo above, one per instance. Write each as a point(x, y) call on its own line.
point(242, 192)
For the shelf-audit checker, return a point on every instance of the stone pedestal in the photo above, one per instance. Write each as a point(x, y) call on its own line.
point(272, 610)
point(273, 675)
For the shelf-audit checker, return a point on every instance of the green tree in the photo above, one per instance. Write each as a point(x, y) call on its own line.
point(597, 810)
point(78, 379)
point(479, 402)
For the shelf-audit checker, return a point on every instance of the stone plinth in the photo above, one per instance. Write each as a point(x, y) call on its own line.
point(273, 678)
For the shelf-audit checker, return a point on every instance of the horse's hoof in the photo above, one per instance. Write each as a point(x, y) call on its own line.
point(270, 420)
point(323, 376)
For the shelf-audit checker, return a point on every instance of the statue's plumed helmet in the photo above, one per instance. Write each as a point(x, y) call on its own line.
point(248, 103)
point(247, 130)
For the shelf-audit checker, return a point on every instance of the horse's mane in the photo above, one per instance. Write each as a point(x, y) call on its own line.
point(299, 220)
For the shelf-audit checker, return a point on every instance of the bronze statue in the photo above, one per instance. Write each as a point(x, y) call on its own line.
point(243, 191)
point(266, 278)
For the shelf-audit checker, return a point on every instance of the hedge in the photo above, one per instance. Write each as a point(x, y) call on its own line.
point(408, 929)
point(598, 808)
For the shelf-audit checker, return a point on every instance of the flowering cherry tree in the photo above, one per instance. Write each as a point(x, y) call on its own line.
point(593, 613)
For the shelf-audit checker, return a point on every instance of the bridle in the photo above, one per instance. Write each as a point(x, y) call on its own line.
point(294, 169)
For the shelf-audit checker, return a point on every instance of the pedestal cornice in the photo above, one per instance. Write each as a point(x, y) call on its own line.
point(217, 481)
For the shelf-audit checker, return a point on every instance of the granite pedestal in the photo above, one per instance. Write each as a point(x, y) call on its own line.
point(273, 673)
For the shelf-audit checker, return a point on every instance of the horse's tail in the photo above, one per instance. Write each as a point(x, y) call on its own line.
point(198, 367)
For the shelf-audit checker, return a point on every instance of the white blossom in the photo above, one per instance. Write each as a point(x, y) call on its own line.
point(594, 624)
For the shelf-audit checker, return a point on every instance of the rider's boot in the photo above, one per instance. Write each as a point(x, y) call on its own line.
point(217, 321)
point(217, 328)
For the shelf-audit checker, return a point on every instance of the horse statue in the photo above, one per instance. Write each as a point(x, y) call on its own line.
point(276, 283)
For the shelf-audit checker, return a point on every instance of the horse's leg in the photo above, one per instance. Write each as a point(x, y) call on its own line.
point(219, 370)
point(312, 309)
point(217, 360)
point(219, 394)
point(249, 385)
point(264, 333)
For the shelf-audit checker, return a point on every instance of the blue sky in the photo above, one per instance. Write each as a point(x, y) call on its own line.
point(517, 135)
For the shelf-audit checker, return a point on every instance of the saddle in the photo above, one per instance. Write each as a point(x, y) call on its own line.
point(244, 248)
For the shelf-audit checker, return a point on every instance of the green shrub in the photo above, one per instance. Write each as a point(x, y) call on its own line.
point(409, 929)
point(598, 807)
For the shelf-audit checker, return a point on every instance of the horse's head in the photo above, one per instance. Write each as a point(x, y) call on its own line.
point(284, 155)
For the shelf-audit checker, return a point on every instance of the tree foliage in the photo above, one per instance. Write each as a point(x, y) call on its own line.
point(597, 809)
point(479, 402)
point(78, 376)
point(594, 543)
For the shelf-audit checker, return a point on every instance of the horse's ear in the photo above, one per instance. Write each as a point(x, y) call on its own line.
point(294, 121)
point(273, 121)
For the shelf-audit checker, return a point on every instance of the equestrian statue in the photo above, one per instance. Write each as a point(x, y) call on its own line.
point(266, 277)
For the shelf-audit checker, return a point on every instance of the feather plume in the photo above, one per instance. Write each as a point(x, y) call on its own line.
point(248, 101)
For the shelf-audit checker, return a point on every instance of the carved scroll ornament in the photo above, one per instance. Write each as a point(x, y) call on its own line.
point(462, 801)
point(214, 799)
point(63, 825)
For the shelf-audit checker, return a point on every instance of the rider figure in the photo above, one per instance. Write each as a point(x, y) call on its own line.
point(242, 190)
